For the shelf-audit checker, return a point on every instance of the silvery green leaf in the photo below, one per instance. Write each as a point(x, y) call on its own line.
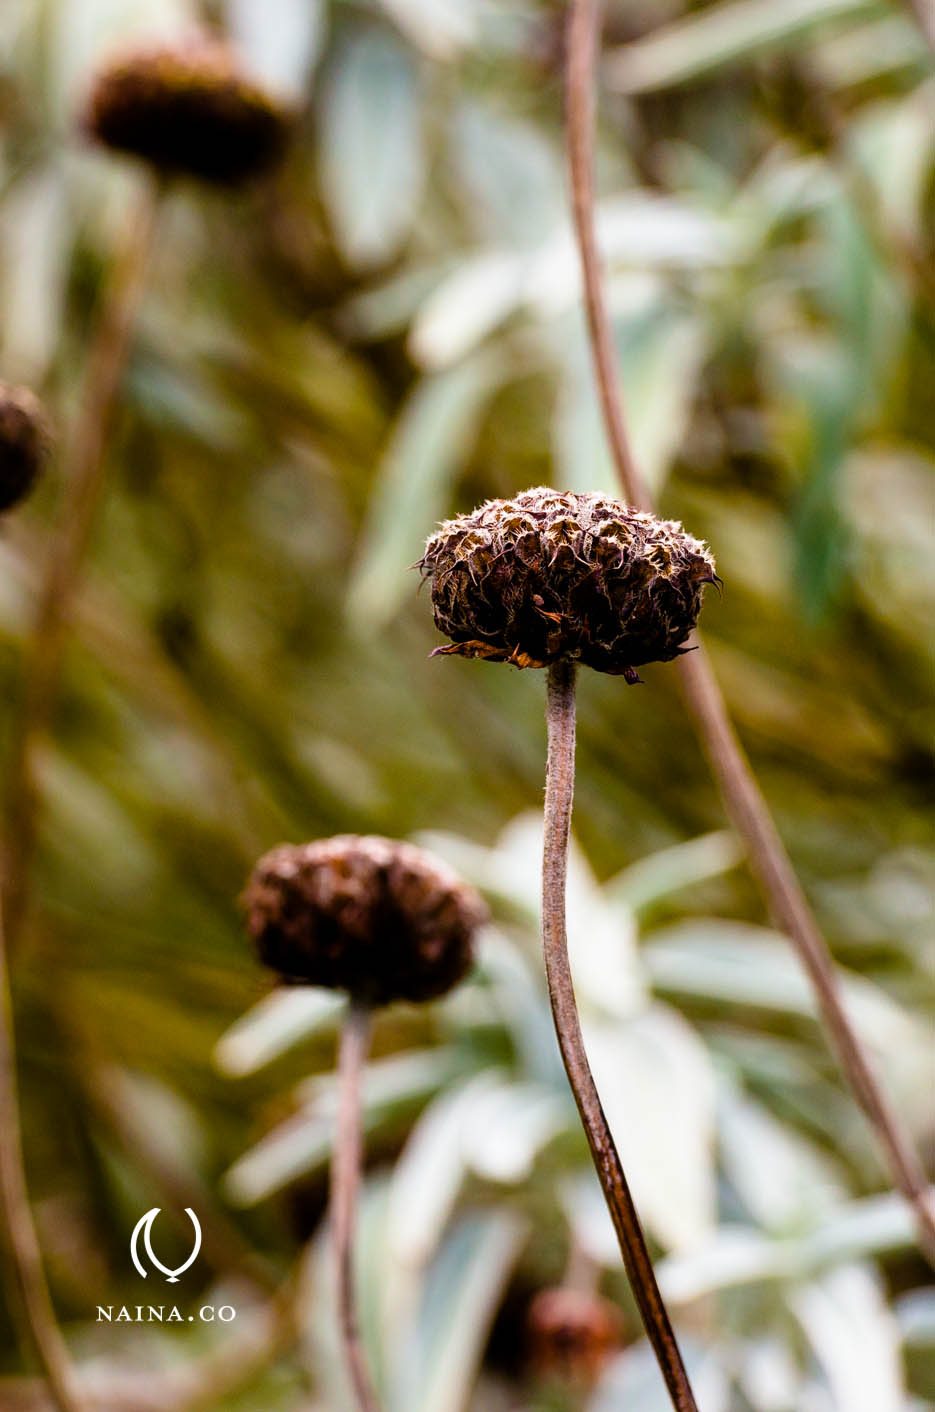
point(668, 870)
point(429, 1173)
point(507, 1127)
point(465, 307)
point(302, 1143)
point(277, 1022)
point(512, 180)
point(427, 445)
point(441, 28)
point(729, 33)
point(781, 1178)
point(371, 146)
point(464, 1288)
point(35, 244)
point(656, 1084)
point(854, 1338)
point(732, 1257)
point(280, 39)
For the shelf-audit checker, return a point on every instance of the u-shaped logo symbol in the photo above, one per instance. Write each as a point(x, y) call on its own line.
point(144, 1226)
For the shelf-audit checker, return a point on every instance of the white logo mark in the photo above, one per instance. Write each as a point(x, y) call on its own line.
point(145, 1225)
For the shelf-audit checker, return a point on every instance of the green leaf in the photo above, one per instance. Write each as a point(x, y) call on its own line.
point(426, 449)
point(372, 150)
point(720, 35)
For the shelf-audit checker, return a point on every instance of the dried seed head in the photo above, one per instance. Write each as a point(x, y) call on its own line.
point(573, 1334)
point(25, 441)
point(551, 575)
point(383, 920)
point(187, 110)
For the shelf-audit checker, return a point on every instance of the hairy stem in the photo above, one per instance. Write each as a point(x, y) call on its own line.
point(345, 1181)
point(559, 792)
point(745, 804)
point(83, 472)
point(38, 1321)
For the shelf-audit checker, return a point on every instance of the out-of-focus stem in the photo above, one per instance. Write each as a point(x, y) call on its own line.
point(83, 471)
point(345, 1183)
point(38, 1322)
point(744, 801)
point(559, 793)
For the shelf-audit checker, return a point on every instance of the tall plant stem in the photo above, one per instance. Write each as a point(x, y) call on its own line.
point(38, 1321)
point(559, 793)
point(83, 471)
point(743, 799)
point(345, 1182)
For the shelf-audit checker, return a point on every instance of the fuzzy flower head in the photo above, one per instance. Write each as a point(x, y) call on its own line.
point(573, 1334)
point(187, 109)
point(380, 919)
point(551, 575)
point(25, 441)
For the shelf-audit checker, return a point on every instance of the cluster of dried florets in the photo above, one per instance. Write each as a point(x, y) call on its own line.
point(551, 575)
point(380, 919)
point(25, 441)
point(573, 1333)
point(188, 109)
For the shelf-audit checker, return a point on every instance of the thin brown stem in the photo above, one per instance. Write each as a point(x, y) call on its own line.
point(38, 1321)
point(559, 793)
point(743, 799)
point(84, 468)
point(345, 1182)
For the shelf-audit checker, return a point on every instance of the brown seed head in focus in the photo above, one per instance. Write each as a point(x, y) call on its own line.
point(381, 919)
point(25, 441)
point(551, 575)
point(188, 110)
point(573, 1334)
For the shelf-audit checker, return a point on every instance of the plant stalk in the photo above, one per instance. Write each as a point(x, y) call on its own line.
point(559, 793)
point(84, 476)
point(743, 799)
point(345, 1183)
point(38, 1323)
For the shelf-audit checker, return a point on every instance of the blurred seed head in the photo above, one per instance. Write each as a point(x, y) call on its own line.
point(188, 109)
point(380, 919)
point(573, 1334)
point(25, 442)
point(551, 575)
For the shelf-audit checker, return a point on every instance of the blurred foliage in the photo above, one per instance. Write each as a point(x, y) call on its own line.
point(386, 332)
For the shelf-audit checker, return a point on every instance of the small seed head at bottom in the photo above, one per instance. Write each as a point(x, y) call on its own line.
point(573, 1334)
point(25, 442)
point(380, 919)
point(553, 575)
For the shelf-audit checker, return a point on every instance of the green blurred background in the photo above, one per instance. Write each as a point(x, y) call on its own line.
point(387, 332)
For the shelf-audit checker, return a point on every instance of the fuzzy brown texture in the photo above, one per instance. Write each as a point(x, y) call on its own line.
point(188, 110)
point(380, 919)
point(550, 575)
point(573, 1334)
point(25, 441)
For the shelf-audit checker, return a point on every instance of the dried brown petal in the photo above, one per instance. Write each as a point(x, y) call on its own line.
point(25, 440)
point(551, 575)
point(380, 919)
point(573, 1334)
point(188, 109)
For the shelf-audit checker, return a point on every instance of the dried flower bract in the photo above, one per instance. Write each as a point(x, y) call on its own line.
point(188, 109)
point(25, 440)
point(551, 575)
point(381, 919)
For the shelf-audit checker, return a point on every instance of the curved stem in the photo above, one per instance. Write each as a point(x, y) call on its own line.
point(559, 792)
point(744, 801)
point(345, 1181)
point(39, 1323)
point(84, 467)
